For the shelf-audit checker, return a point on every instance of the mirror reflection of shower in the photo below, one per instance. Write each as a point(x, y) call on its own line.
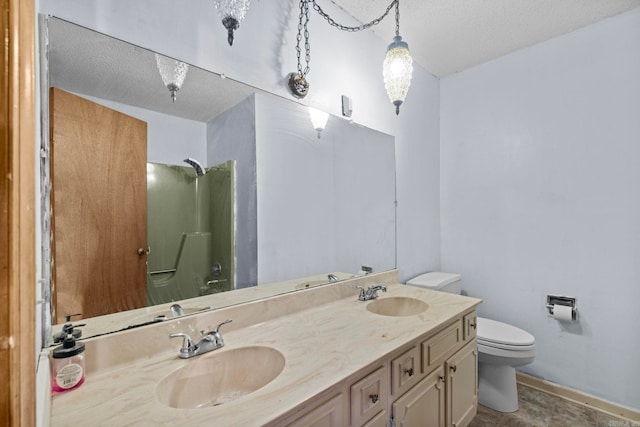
point(200, 171)
point(191, 224)
point(196, 165)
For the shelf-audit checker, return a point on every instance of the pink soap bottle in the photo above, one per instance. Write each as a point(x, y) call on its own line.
point(67, 365)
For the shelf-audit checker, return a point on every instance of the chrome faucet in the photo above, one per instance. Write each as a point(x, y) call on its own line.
point(332, 277)
point(211, 340)
point(371, 292)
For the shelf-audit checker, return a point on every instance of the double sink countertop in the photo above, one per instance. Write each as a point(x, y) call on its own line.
point(322, 345)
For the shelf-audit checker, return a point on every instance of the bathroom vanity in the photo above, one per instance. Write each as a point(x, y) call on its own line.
point(318, 357)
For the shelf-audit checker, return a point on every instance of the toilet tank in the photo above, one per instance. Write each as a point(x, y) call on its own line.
point(438, 281)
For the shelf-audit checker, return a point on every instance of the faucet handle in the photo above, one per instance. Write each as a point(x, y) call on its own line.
point(187, 343)
point(223, 323)
point(215, 331)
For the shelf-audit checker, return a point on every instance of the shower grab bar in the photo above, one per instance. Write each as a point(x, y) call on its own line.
point(173, 270)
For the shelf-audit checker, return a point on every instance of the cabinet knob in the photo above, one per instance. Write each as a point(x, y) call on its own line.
point(409, 372)
point(374, 398)
point(453, 368)
point(472, 325)
point(441, 378)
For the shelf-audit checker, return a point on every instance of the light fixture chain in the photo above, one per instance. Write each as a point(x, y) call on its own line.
point(397, 17)
point(307, 46)
point(303, 25)
point(376, 21)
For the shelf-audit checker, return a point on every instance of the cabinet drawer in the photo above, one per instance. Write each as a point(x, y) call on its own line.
point(438, 348)
point(470, 326)
point(405, 371)
point(369, 396)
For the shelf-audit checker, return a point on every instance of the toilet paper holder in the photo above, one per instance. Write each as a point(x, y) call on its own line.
point(553, 300)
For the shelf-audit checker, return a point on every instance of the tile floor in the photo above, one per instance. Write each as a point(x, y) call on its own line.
point(539, 409)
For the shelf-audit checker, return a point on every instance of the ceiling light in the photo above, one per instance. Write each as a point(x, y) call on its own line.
point(172, 72)
point(232, 12)
point(397, 70)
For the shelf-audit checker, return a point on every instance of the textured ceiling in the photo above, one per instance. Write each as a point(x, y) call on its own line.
point(447, 36)
point(89, 63)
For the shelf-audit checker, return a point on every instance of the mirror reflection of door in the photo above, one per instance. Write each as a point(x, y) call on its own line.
point(99, 201)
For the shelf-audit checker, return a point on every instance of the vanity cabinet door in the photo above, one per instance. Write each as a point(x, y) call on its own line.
point(329, 414)
point(369, 396)
point(462, 386)
point(423, 405)
point(379, 420)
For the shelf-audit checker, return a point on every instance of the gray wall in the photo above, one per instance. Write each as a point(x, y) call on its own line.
point(232, 136)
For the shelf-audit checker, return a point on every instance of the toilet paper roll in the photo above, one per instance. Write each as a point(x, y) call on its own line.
point(563, 313)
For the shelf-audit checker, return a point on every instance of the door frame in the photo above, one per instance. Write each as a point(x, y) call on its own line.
point(17, 214)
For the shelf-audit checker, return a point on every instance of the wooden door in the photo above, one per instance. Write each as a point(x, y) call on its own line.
point(17, 216)
point(99, 201)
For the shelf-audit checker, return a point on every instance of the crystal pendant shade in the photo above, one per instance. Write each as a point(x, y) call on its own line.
point(232, 12)
point(397, 71)
point(172, 72)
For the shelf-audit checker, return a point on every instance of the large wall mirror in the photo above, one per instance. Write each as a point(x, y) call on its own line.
point(221, 192)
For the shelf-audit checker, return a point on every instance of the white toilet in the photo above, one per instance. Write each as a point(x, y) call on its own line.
point(501, 348)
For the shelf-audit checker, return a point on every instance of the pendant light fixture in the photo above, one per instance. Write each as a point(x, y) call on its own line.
point(172, 72)
point(397, 66)
point(232, 12)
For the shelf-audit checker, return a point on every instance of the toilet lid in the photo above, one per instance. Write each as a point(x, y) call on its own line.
point(492, 331)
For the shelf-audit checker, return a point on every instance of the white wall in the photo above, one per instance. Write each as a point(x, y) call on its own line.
point(264, 53)
point(540, 174)
point(325, 205)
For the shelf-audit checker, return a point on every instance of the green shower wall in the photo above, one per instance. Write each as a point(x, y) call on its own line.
point(190, 227)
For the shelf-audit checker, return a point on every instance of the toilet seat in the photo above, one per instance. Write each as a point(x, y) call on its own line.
point(492, 333)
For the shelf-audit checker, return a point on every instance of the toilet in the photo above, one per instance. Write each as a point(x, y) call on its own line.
point(501, 348)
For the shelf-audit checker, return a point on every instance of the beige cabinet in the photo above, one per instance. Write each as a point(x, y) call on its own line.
point(328, 414)
point(424, 404)
point(461, 386)
point(470, 326)
point(379, 420)
point(431, 382)
point(369, 396)
point(405, 371)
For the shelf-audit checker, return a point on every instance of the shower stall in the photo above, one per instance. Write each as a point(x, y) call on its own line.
point(190, 230)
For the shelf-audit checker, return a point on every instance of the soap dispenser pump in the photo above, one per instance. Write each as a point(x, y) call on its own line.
point(67, 367)
point(68, 328)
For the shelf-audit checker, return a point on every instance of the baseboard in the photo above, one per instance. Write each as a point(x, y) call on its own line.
point(578, 397)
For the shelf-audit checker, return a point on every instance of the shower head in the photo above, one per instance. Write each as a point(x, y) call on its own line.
point(196, 165)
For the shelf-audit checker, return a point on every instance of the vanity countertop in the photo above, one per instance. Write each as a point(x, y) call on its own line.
point(322, 345)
